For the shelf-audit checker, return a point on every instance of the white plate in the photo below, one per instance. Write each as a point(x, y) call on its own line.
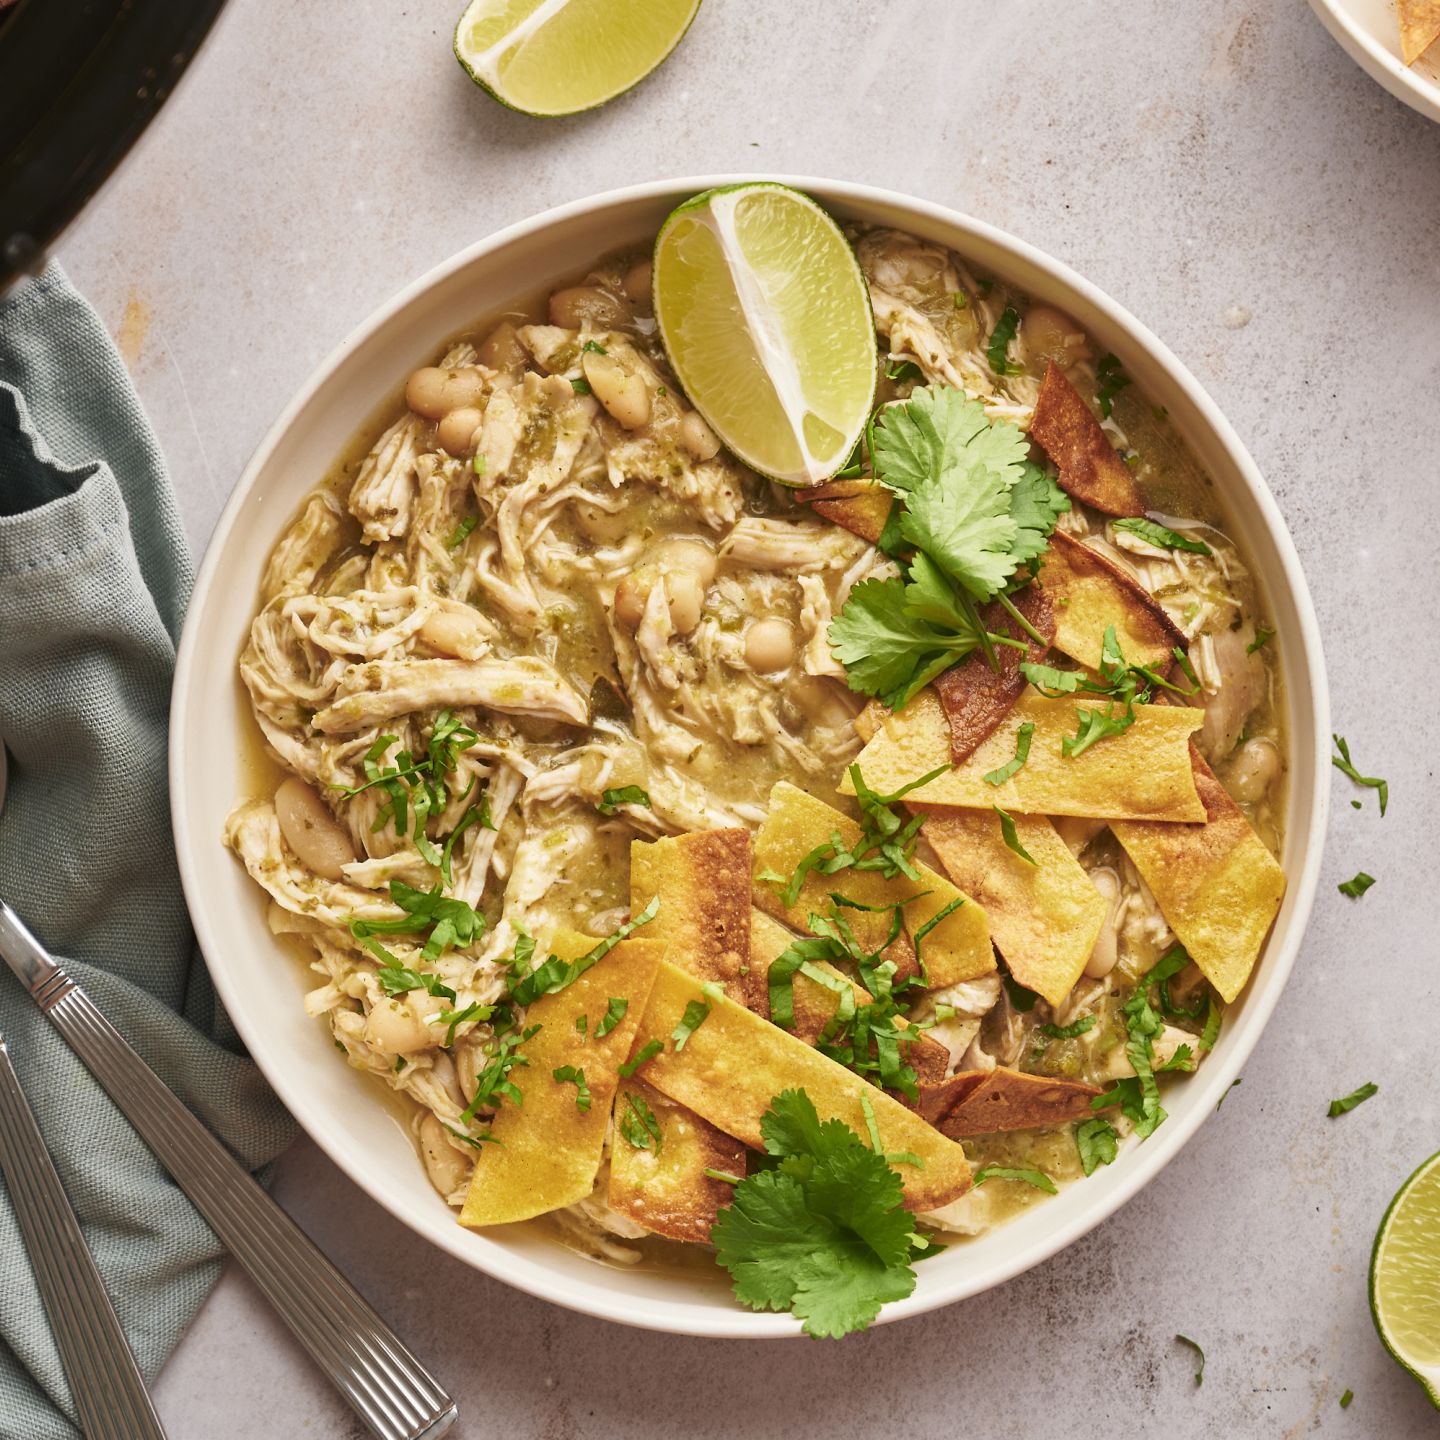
point(1370, 31)
point(343, 1111)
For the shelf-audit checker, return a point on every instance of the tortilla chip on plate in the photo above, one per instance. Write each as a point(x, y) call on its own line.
point(1090, 592)
point(703, 882)
point(549, 1150)
point(1068, 432)
point(1216, 883)
point(1419, 28)
point(979, 1103)
point(859, 506)
point(958, 948)
point(734, 1064)
point(974, 694)
point(664, 1186)
point(1141, 774)
point(1044, 918)
point(815, 1004)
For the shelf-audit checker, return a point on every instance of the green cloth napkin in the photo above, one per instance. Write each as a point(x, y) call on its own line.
point(94, 576)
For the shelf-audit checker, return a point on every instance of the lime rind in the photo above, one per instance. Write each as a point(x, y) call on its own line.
point(795, 428)
point(1387, 1254)
point(513, 62)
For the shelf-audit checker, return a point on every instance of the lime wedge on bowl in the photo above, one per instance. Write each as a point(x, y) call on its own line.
point(555, 57)
point(766, 318)
point(1405, 1277)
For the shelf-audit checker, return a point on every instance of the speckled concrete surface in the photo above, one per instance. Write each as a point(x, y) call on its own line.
point(1204, 163)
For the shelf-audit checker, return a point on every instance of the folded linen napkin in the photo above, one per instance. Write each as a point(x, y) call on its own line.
point(94, 576)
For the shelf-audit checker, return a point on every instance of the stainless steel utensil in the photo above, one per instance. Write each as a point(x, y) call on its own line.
point(386, 1386)
point(110, 1395)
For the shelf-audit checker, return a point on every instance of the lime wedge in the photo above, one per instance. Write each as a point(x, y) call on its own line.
point(554, 57)
point(1405, 1277)
point(766, 319)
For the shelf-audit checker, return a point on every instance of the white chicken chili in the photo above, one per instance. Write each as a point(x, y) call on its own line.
point(547, 623)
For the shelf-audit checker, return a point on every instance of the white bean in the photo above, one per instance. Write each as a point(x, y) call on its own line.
point(434, 393)
point(1051, 334)
point(621, 393)
point(698, 438)
point(319, 841)
point(458, 629)
point(686, 567)
point(686, 593)
point(636, 285)
point(447, 1168)
point(580, 305)
point(501, 349)
point(769, 646)
point(456, 431)
point(1253, 770)
point(393, 1027)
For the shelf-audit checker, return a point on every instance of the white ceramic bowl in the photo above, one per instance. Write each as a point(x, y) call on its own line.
point(1370, 33)
point(342, 1110)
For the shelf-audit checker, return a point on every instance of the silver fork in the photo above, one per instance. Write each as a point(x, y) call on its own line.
point(105, 1382)
point(383, 1382)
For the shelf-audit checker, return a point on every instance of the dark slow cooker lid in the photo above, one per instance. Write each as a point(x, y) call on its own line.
point(79, 81)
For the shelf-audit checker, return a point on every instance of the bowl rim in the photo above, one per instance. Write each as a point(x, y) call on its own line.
point(1378, 61)
point(1144, 1163)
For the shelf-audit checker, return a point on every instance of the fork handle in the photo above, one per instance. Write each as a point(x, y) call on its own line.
point(364, 1359)
point(105, 1382)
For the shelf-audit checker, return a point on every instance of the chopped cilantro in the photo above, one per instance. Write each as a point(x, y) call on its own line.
point(824, 1233)
point(1160, 535)
point(400, 980)
point(643, 1056)
point(902, 371)
point(1262, 637)
point(1342, 763)
point(443, 920)
point(612, 800)
point(461, 532)
point(555, 974)
point(478, 464)
point(1112, 381)
point(696, 1013)
point(1195, 1346)
point(569, 1074)
point(594, 347)
point(638, 1124)
point(1022, 753)
point(1231, 1086)
point(1346, 1398)
point(998, 351)
point(1348, 1102)
point(1037, 1178)
point(1011, 836)
point(1098, 1143)
point(1069, 1032)
point(1358, 886)
point(493, 1083)
point(455, 1018)
point(580, 387)
point(614, 1014)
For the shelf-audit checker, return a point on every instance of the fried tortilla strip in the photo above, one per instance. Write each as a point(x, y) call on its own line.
point(976, 1103)
point(1216, 883)
point(974, 695)
point(549, 1149)
point(1068, 432)
point(666, 1189)
point(958, 948)
point(1141, 774)
point(1419, 28)
point(1044, 918)
point(859, 506)
point(1089, 592)
point(815, 1004)
point(703, 881)
point(735, 1063)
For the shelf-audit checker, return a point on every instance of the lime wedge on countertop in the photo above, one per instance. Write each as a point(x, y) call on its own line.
point(1405, 1277)
point(766, 318)
point(554, 57)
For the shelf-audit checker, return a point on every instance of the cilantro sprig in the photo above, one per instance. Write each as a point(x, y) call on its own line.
point(823, 1231)
point(1161, 536)
point(973, 510)
point(1342, 762)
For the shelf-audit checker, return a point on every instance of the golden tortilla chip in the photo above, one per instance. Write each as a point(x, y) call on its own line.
point(976, 1103)
point(859, 506)
point(958, 948)
point(734, 1064)
point(974, 695)
point(703, 881)
point(815, 1004)
point(1143, 773)
point(1090, 592)
point(549, 1149)
point(1089, 469)
point(1044, 918)
point(1216, 883)
point(666, 1189)
point(1419, 27)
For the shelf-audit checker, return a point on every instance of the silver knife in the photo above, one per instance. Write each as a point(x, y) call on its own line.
point(105, 1382)
point(385, 1385)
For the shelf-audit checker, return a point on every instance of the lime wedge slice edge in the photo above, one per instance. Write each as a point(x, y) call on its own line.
point(1405, 1277)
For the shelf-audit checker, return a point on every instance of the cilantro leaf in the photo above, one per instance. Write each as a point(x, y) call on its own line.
point(1069, 1032)
point(1011, 836)
point(1161, 536)
point(824, 1234)
point(462, 531)
point(1036, 502)
point(1097, 1142)
point(614, 1014)
point(643, 1056)
point(1342, 763)
point(555, 974)
point(639, 1126)
point(1346, 1103)
point(1262, 638)
point(1112, 381)
point(1195, 1346)
point(1358, 886)
point(612, 800)
point(696, 1013)
point(997, 352)
point(1038, 1178)
point(575, 1076)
